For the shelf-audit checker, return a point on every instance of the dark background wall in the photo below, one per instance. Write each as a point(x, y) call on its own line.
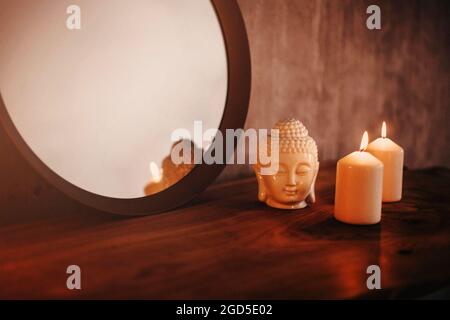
point(317, 61)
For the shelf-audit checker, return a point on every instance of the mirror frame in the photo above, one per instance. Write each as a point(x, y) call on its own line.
point(202, 175)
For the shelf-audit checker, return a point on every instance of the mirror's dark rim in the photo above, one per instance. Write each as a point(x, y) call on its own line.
point(235, 113)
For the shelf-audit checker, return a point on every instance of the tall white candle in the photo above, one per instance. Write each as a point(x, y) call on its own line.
point(359, 184)
point(391, 154)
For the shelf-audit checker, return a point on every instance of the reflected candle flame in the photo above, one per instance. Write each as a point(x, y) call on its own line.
point(155, 172)
point(383, 130)
point(364, 141)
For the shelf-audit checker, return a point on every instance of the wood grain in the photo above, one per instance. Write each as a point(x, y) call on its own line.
point(225, 244)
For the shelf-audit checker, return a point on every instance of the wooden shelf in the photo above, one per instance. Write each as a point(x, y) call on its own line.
point(225, 244)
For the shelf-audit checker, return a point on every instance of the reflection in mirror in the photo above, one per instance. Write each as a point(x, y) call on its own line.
point(171, 173)
point(98, 104)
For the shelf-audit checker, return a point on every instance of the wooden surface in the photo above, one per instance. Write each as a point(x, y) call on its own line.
point(227, 245)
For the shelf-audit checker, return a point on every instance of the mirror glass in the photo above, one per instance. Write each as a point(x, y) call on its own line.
point(96, 90)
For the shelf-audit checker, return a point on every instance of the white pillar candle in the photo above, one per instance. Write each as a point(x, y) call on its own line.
point(391, 154)
point(359, 185)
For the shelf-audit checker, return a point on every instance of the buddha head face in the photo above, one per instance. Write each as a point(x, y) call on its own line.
point(298, 165)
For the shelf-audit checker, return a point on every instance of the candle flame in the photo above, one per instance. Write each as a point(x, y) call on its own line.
point(383, 130)
point(155, 172)
point(364, 141)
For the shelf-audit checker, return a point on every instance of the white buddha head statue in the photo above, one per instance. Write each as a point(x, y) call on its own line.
point(294, 181)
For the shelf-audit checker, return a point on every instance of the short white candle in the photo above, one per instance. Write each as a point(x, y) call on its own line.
point(359, 185)
point(391, 154)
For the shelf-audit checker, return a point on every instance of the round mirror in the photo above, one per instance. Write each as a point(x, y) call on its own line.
point(94, 94)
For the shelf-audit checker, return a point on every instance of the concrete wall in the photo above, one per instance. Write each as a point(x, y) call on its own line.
point(317, 61)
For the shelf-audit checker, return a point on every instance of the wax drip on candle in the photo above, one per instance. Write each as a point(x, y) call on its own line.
point(383, 130)
point(364, 142)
